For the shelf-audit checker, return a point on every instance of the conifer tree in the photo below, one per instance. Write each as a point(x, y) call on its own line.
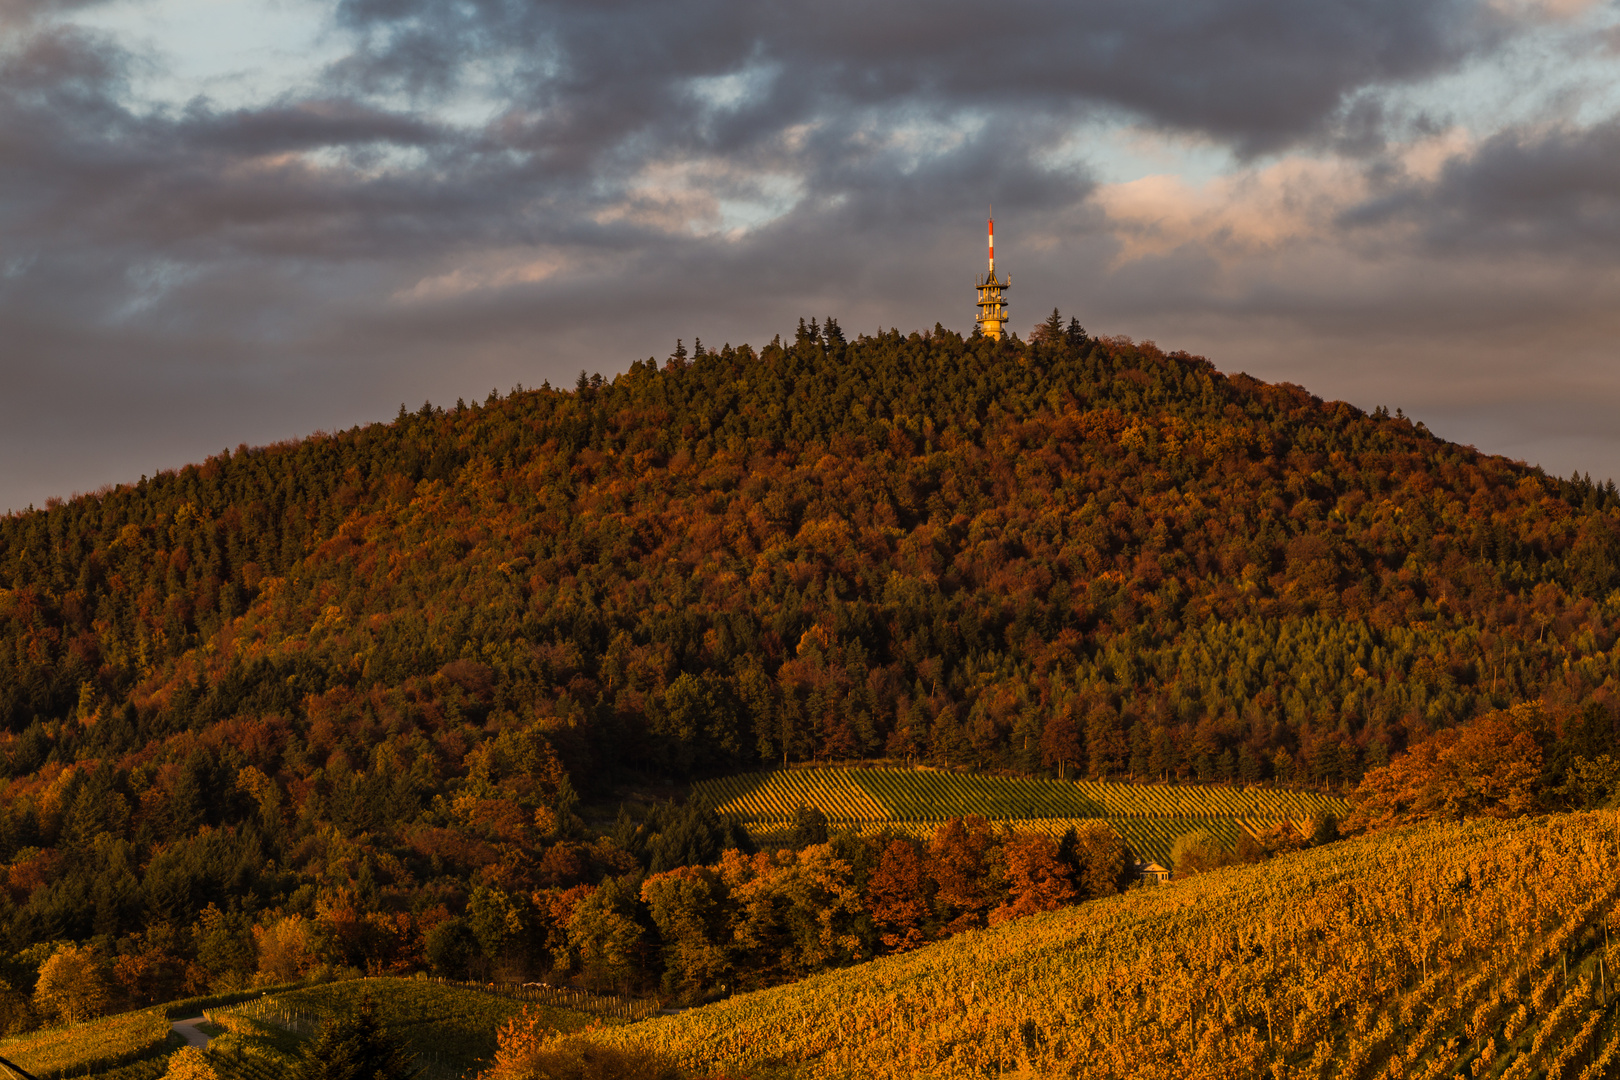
point(356, 1047)
point(1050, 332)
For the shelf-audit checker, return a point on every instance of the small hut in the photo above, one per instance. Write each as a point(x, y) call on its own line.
point(1152, 873)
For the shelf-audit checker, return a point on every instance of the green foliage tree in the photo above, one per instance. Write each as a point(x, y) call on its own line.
point(1196, 852)
point(688, 908)
point(356, 1047)
point(449, 947)
point(604, 937)
point(1594, 784)
point(809, 827)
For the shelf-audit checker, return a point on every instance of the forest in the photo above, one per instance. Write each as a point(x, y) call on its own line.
point(340, 701)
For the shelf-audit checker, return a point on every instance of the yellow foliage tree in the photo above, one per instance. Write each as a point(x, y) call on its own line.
point(190, 1063)
point(72, 985)
point(529, 1050)
point(286, 949)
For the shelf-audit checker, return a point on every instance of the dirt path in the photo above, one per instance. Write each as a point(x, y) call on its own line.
point(187, 1030)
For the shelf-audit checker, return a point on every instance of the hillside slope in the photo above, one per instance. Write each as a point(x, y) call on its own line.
point(1438, 951)
point(359, 678)
point(844, 547)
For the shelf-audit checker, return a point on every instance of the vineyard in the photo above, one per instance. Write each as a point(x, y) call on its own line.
point(1149, 817)
point(1479, 949)
point(92, 1048)
point(449, 1027)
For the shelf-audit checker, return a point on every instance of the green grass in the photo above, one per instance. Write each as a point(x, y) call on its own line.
point(186, 1008)
point(1150, 839)
point(148, 1069)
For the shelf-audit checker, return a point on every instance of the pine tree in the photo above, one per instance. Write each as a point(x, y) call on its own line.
point(356, 1047)
point(1049, 332)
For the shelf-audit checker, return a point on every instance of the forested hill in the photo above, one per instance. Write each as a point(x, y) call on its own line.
point(1078, 551)
point(344, 689)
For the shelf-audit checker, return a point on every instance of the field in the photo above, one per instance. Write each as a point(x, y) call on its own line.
point(251, 1049)
point(124, 1042)
point(1479, 949)
point(450, 1028)
point(1148, 816)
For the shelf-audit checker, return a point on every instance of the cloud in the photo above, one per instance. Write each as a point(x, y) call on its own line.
point(498, 191)
point(1256, 73)
point(1529, 190)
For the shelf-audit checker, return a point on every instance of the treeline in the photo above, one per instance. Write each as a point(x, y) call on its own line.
point(679, 903)
point(749, 920)
point(366, 672)
point(1505, 764)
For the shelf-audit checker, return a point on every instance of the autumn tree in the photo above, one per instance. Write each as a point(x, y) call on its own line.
point(898, 894)
point(189, 1063)
point(964, 862)
point(1197, 852)
point(72, 985)
point(1491, 767)
point(375, 664)
point(1099, 862)
point(286, 948)
point(1105, 741)
point(1061, 742)
point(1038, 879)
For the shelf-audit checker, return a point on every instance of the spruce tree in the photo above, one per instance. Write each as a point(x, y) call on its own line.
point(356, 1047)
point(1051, 331)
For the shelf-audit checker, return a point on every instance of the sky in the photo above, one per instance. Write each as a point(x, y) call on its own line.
point(228, 222)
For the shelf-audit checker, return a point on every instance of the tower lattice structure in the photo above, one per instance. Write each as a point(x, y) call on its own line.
point(992, 316)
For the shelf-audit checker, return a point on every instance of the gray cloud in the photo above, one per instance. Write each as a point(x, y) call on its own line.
point(174, 280)
point(1530, 190)
point(1257, 73)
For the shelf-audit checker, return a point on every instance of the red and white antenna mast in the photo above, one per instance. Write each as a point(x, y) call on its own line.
point(992, 316)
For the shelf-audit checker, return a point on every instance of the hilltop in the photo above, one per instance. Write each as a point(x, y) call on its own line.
point(338, 701)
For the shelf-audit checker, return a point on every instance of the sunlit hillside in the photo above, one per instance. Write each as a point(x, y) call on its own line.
point(374, 697)
point(1473, 949)
point(1148, 817)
